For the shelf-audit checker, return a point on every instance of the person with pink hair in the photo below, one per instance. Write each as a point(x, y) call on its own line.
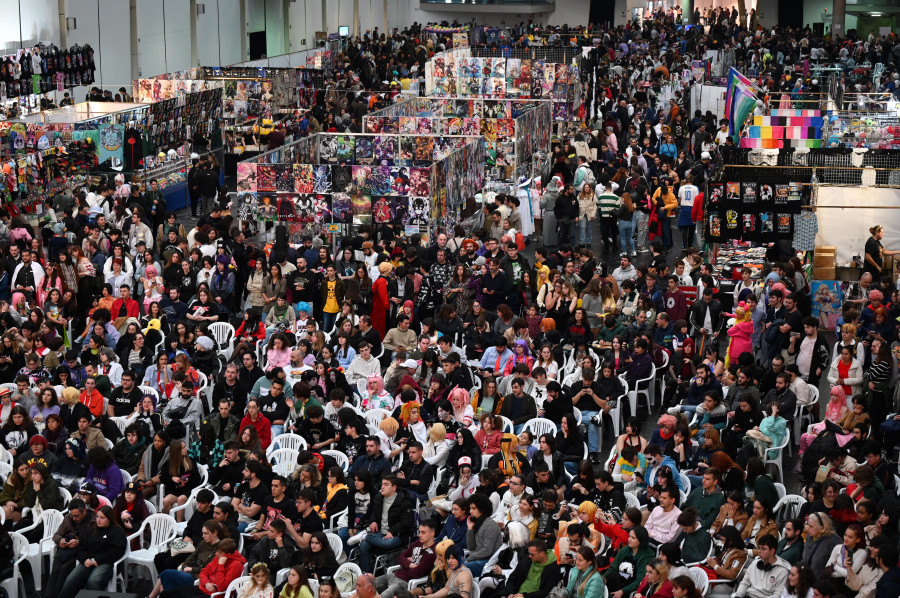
point(661, 437)
point(462, 406)
point(741, 334)
point(153, 286)
point(835, 411)
point(375, 397)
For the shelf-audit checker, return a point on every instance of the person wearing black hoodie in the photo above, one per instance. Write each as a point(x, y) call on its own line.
point(99, 550)
point(608, 495)
point(393, 506)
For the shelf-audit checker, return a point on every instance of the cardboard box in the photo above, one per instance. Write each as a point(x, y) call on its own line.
point(824, 273)
point(825, 250)
point(823, 261)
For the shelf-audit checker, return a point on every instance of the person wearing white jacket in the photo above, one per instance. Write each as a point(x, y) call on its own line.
point(853, 375)
point(767, 575)
point(504, 561)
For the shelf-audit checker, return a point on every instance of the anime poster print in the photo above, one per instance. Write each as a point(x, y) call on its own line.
point(381, 124)
point(784, 224)
point(322, 211)
point(748, 192)
point(419, 211)
point(303, 178)
point(471, 126)
point(454, 126)
point(341, 178)
point(513, 72)
point(407, 125)
point(267, 208)
point(287, 207)
point(246, 177)
point(345, 147)
point(561, 74)
point(766, 193)
point(561, 112)
point(361, 207)
point(498, 68)
point(497, 109)
point(328, 148)
point(407, 145)
point(361, 179)
point(523, 82)
point(733, 191)
point(419, 182)
point(265, 177)
point(385, 148)
point(716, 192)
point(284, 178)
point(364, 151)
point(766, 223)
point(424, 126)
point(341, 208)
point(381, 210)
point(827, 299)
point(322, 179)
point(400, 180)
point(715, 225)
point(549, 80)
point(424, 149)
point(560, 92)
point(246, 206)
point(748, 225)
point(380, 180)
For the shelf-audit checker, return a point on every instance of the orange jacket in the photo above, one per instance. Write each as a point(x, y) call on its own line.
point(94, 402)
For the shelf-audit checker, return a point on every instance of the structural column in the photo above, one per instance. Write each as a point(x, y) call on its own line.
point(837, 23)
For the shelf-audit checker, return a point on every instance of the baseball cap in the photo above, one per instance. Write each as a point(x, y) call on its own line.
point(410, 363)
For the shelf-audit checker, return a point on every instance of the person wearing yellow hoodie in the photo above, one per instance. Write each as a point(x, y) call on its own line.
point(666, 203)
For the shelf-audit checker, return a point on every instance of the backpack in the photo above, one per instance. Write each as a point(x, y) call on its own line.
point(589, 178)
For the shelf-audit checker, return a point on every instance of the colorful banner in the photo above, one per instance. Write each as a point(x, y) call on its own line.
point(112, 140)
point(740, 101)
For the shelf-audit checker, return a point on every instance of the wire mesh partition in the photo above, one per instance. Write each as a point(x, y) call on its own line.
point(553, 54)
point(844, 176)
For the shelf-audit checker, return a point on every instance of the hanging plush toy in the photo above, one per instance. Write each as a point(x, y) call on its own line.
point(740, 332)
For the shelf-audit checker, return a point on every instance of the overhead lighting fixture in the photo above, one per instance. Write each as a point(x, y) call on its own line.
point(874, 14)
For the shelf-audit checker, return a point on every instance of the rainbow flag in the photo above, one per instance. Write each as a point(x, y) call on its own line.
point(740, 100)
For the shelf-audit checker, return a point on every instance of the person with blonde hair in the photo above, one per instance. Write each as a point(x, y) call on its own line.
point(656, 582)
point(437, 579)
point(509, 460)
point(820, 541)
point(387, 430)
point(258, 585)
point(437, 447)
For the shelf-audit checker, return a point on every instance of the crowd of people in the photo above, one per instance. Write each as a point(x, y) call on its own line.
point(454, 396)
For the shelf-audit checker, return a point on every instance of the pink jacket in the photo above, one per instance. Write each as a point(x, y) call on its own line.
point(740, 339)
point(278, 359)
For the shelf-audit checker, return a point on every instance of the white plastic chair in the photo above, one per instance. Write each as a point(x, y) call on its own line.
point(6, 457)
point(685, 481)
point(632, 501)
point(5, 470)
point(109, 444)
point(803, 413)
point(712, 583)
point(117, 581)
point(163, 529)
point(66, 496)
point(508, 427)
point(149, 390)
point(538, 426)
point(782, 491)
point(660, 383)
point(788, 507)
point(287, 440)
point(284, 461)
point(233, 588)
point(20, 548)
point(643, 386)
point(337, 546)
point(51, 520)
point(351, 569)
point(615, 413)
point(223, 332)
point(126, 478)
point(775, 455)
point(577, 413)
point(374, 416)
point(340, 457)
point(412, 583)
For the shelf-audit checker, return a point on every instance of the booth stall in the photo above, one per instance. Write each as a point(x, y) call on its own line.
point(332, 183)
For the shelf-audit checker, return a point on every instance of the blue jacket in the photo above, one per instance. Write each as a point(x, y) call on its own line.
point(670, 463)
point(454, 530)
point(377, 467)
point(695, 393)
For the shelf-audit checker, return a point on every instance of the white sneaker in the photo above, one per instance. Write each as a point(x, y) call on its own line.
point(354, 540)
point(673, 410)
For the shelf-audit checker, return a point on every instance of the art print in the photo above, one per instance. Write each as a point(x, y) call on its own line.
point(381, 210)
point(783, 224)
point(419, 211)
point(284, 178)
point(560, 112)
point(362, 209)
point(341, 177)
point(361, 179)
point(827, 299)
point(267, 209)
point(380, 180)
point(322, 208)
point(385, 148)
point(748, 191)
point(424, 149)
point(265, 177)
point(246, 206)
point(304, 208)
point(286, 205)
point(328, 148)
point(246, 176)
point(766, 193)
point(345, 147)
point(400, 180)
point(715, 224)
point(341, 205)
point(420, 182)
point(364, 151)
point(407, 125)
point(303, 178)
point(322, 179)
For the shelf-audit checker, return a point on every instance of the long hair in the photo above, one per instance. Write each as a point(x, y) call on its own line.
point(626, 199)
point(294, 592)
point(587, 553)
point(179, 459)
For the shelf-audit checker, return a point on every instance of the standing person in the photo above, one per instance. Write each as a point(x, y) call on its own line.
point(208, 185)
point(625, 214)
point(566, 211)
point(607, 201)
point(381, 298)
point(686, 196)
point(875, 253)
point(587, 212)
point(193, 178)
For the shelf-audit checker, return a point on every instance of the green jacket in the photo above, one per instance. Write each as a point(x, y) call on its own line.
point(644, 555)
point(792, 553)
point(695, 545)
point(607, 334)
point(708, 505)
point(592, 589)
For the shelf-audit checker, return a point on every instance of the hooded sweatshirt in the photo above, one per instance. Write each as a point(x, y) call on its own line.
point(764, 582)
point(222, 574)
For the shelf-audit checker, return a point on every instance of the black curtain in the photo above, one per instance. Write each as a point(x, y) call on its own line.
point(602, 11)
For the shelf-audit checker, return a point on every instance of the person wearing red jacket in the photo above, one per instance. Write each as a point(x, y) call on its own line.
point(259, 421)
point(125, 306)
point(226, 566)
point(617, 532)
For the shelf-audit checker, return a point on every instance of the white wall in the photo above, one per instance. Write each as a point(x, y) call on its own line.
point(569, 12)
point(305, 19)
point(112, 50)
point(39, 22)
point(219, 33)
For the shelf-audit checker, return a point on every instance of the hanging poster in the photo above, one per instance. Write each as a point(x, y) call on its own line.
point(267, 209)
point(284, 178)
point(827, 299)
point(246, 176)
point(766, 193)
point(341, 207)
point(247, 208)
point(341, 177)
point(322, 179)
point(748, 191)
point(362, 209)
point(265, 177)
point(287, 207)
point(303, 178)
point(733, 191)
point(419, 211)
point(112, 141)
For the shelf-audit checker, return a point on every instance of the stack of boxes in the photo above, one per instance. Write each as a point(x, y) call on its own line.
point(824, 266)
point(785, 128)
